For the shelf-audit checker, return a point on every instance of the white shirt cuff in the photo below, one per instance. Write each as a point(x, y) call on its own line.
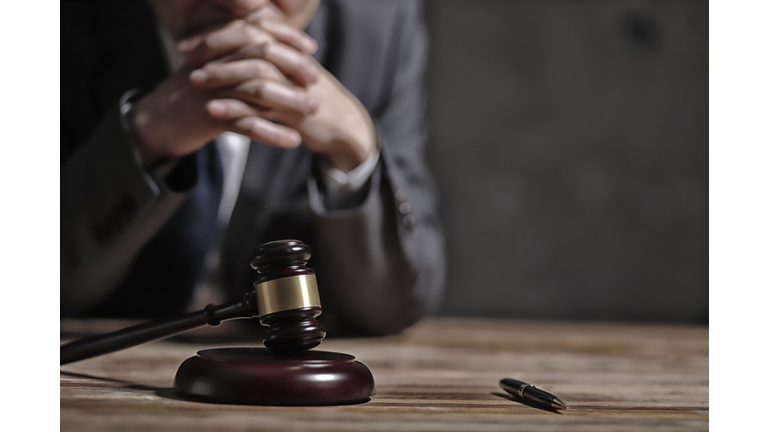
point(339, 184)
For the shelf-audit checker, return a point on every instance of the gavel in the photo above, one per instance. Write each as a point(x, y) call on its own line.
point(285, 298)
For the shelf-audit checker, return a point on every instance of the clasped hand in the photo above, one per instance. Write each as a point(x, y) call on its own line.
point(256, 78)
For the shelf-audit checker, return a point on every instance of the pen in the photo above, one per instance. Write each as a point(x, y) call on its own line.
point(528, 392)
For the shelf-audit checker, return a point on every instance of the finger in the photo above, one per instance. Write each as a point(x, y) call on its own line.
point(298, 67)
point(268, 13)
point(232, 109)
point(273, 95)
point(286, 34)
point(221, 42)
point(267, 132)
point(215, 75)
point(190, 42)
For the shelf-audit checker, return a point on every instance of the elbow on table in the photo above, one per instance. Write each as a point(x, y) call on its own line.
point(381, 318)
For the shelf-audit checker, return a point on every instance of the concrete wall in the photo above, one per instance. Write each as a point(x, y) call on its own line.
point(570, 144)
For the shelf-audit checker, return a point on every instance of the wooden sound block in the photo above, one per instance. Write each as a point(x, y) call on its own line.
point(257, 376)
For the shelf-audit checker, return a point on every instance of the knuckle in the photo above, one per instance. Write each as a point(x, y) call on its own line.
point(260, 49)
point(257, 20)
point(220, 74)
point(245, 123)
point(257, 89)
point(210, 41)
point(307, 65)
point(257, 36)
point(251, 32)
point(257, 68)
point(264, 68)
point(244, 34)
point(255, 127)
point(232, 110)
point(240, 109)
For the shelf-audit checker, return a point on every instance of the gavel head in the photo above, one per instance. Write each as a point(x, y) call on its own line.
point(287, 296)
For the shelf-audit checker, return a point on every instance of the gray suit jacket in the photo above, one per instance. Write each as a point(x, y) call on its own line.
point(380, 264)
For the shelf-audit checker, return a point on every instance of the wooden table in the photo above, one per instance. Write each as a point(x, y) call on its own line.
point(440, 375)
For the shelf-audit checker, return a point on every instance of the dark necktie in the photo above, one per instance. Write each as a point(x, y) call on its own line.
point(166, 270)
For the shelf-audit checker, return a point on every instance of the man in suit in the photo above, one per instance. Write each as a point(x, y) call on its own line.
point(195, 130)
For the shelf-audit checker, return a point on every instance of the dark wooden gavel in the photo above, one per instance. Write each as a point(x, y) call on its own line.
point(285, 298)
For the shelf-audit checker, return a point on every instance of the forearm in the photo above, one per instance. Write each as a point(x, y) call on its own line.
point(378, 276)
point(110, 207)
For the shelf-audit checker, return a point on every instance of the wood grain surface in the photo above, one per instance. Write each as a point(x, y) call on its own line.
point(440, 375)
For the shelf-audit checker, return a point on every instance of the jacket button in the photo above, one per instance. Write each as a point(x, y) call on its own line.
point(405, 208)
point(409, 220)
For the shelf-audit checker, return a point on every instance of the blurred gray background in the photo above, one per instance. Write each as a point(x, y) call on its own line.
point(570, 144)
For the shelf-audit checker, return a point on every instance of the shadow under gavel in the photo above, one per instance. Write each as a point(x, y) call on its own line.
point(285, 298)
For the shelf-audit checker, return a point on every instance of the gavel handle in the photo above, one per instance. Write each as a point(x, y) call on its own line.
point(92, 346)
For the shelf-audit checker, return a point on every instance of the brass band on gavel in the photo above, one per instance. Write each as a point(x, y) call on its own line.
point(293, 292)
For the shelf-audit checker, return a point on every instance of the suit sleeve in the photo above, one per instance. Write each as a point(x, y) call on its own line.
point(381, 265)
point(111, 206)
